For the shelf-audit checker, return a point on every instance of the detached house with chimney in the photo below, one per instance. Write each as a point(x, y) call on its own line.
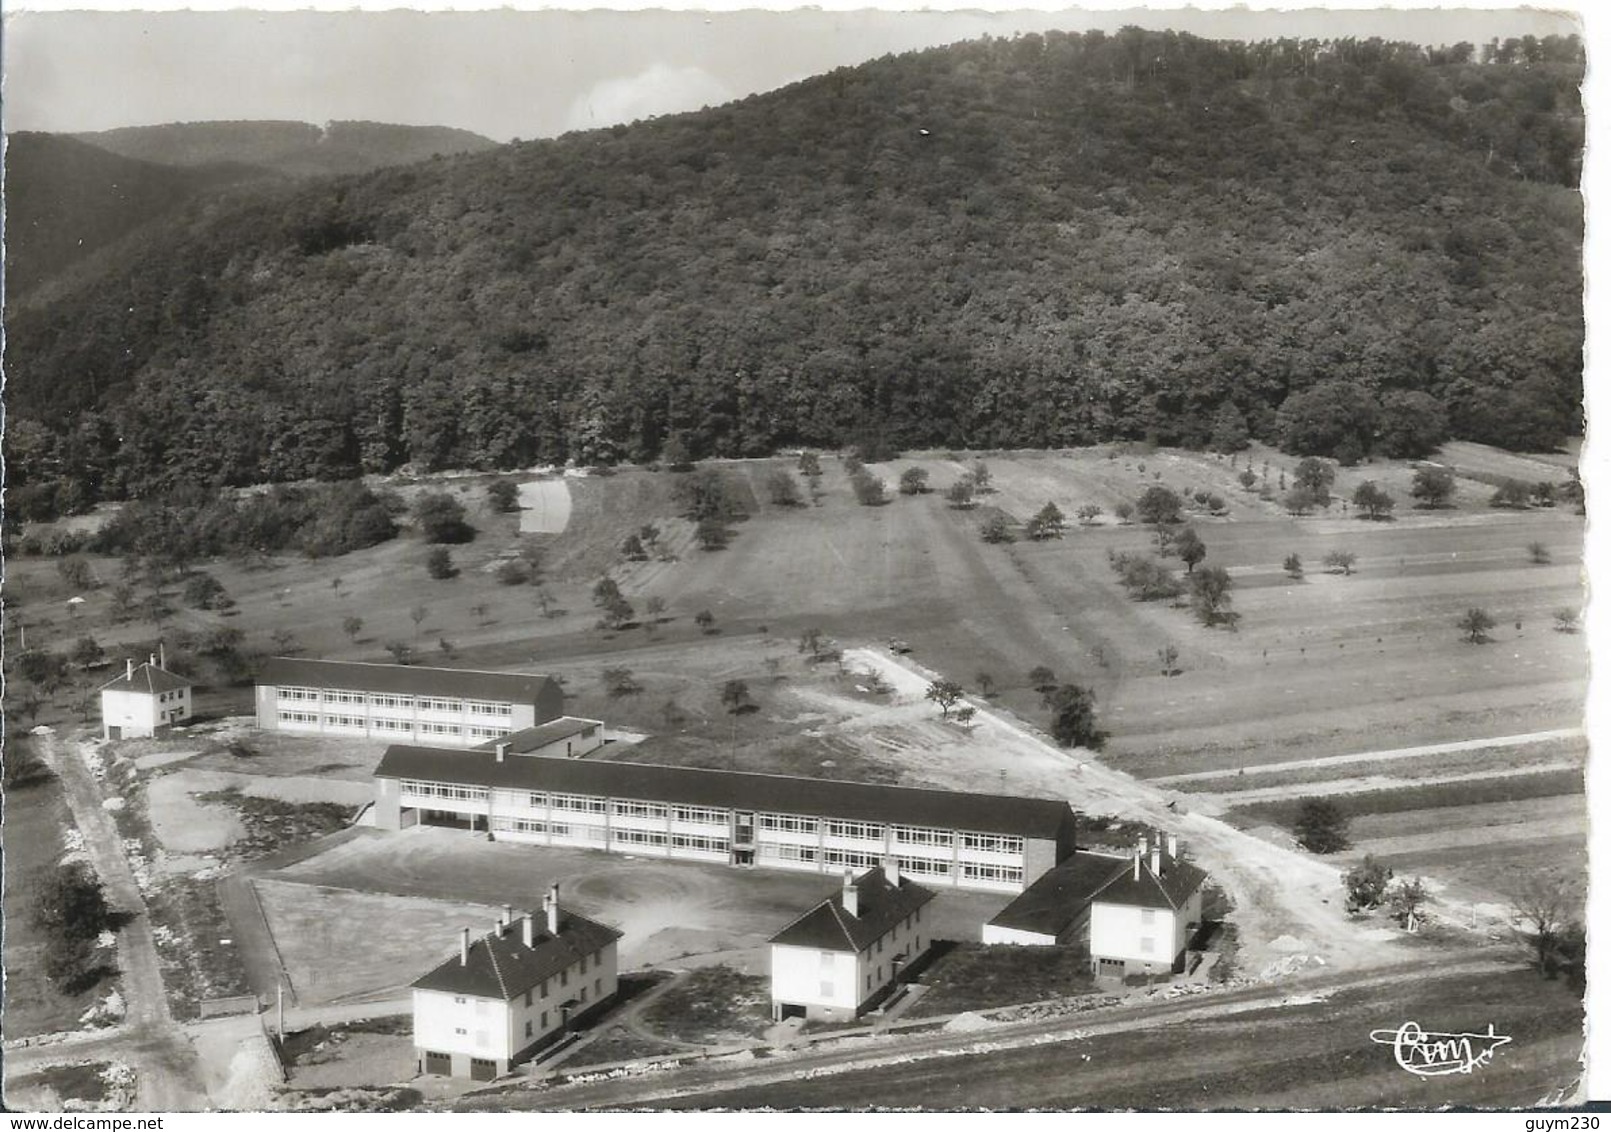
point(834, 961)
point(510, 992)
point(143, 701)
point(1135, 914)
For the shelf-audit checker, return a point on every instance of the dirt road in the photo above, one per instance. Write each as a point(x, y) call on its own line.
point(545, 506)
point(149, 1039)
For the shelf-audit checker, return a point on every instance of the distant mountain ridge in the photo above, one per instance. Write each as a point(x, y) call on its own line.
point(296, 149)
point(1040, 242)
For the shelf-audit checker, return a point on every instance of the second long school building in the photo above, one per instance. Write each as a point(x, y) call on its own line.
point(942, 837)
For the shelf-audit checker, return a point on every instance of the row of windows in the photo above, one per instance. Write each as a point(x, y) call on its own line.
point(699, 815)
point(483, 707)
point(993, 842)
point(857, 830)
point(640, 810)
point(299, 717)
point(445, 790)
point(164, 697)
point(440, 729)
point(344, 721)
point(1003, 873)
point(788, 823)
point(403, 726)
point(637, 837)
point(343, 697)
point(479, 732)
point(784, 851)
point(849, 858)
point(406, 703)
point(701, 844)
point(580, 803)
point(927, 866)
point(919, 835)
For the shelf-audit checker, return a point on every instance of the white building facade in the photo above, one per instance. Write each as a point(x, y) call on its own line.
point(511, 992)
point(143, 702)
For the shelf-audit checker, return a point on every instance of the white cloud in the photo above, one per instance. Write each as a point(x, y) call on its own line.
point(660, 89)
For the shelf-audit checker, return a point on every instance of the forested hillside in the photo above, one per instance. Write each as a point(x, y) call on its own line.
point(294, 148)
point(66, 200)
point(1047, 241)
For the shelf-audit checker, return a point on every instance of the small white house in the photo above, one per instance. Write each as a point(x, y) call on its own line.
point(143, 701)
point(834, 961)
point(511, 992)
point(1134, 914)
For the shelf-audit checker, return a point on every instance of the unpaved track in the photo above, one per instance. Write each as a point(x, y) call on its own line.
point(149, 1040)
point(1377, 756)
point(1277, 891)
point(545, 506)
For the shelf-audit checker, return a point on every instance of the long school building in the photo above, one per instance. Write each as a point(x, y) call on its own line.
point(446, 707)
point(938, 837)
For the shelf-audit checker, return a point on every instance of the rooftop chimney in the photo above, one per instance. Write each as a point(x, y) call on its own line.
point(509, 914)
point(129, 675)
point(552, 906)
point(464, 947)
point(1157, 856)
point(1135, 867)
point(849, 896)
point(526, 927)
point(1174, 846)
point(892, 871)
point(162, 655)
point(500, 750)
point(152, 661)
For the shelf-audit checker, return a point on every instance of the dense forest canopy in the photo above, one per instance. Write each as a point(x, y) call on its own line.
point(1046, 241)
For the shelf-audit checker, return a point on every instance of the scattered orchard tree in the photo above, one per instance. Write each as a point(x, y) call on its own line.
point(69, 908)
point(401, 651)
point(1543, 494)
point(965, 715)
point(869, 489)
point(633, 550)
point(1158, 506)
point(1316, 475)
point(811, 642)
point(1512, 494)
point(439, 563)
point(1543, 908)
point(986, 682)
point(203, 591)
point(996, 529)
point(441, 518)
point(914, 481)
point(1566, 620)
point(1074, 717)
point(711, 533)
point(960, 494)
point(1340, 561)
point(352, 625)
point(503, 496)
point(945, 693)
point(614, 606)
point(76, 571)
point(446, 647)
point(545, 602)
point(1189, 548)
point(512, 572)
point(1321, 826)
point(655, 607)
point(1047, 523)
point(285, 641)
point(1211, 595)
point(1042, 678)
point(1293, 566)
point(1406, 899)
point(736, 696)
point(619, 682)
point(810, 464)
point(1301, 500)
point(1373, 501)
point(1145, 579)
point(1247, 478)
point(1538, 553)
point(1169, 660)
point(1475, 623)
point(1124, 511)
point(1434, 487)
point(782, 489)
point(87, 653)
point(706, 620)
point(980, 474)
point(1366, 883)
point(1088, 514)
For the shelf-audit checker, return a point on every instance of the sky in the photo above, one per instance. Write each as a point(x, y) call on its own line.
point(532, 74)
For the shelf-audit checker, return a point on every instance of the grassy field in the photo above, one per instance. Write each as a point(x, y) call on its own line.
point(1431, 796)
point(713, 1006)
point(36, 821)
point(976, 976)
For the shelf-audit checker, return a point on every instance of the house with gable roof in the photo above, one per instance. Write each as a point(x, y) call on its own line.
point(831, 963)
point(509, 993)
point(146, 699)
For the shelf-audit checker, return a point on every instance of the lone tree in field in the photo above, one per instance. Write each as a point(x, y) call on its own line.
point(1340, 561)
point(1316, 475)
point(1366, 883)
point(706, 620)
point(980, 475)
point(711, 533)
point(736, 697)
point(1074, 717)
point(1189, 549)
point(996, 529)
point(352, 625)
point(869, 489)
point(1542, 915)
point(986, 682)
point(441, 518)
point(1433, 487)
point(1211, 595)
point(503, 495)
point(402, 652)
point(1538, 554)
point(417, 615)
point(960, 494)
point(1294, 567)
point(1321, 826)
point(1475, 623)
point(1125, 511)
point(810, 464)
point(620, 682)
point(87, 653)
point(1169, 660)
point(1512, 494)
point(1566, 620)
point(1406, 900)
point(1301, 500)
point(1042, 678)
point(914, 481)
point(1247, 478)
point(633, 550)
point(1047, 523)
point(782, 488)
point(1158, 506)
point(1373, 501)
point(439, 563)
point(946, 693)
point(655, 607)
point(611, 603)
point(1088, 514)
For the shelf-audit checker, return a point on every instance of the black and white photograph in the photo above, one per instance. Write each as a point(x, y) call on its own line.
point(880, 560)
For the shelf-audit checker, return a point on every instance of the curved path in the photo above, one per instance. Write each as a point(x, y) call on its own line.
point(545, 506)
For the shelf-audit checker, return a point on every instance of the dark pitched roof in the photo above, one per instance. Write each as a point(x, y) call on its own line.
point(532, 738)
point(502, 966)
point(880, 906)
point(1171, 890)
point(403, 679)
point(774, 793)
point(1062, 894)
point(148, 679)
